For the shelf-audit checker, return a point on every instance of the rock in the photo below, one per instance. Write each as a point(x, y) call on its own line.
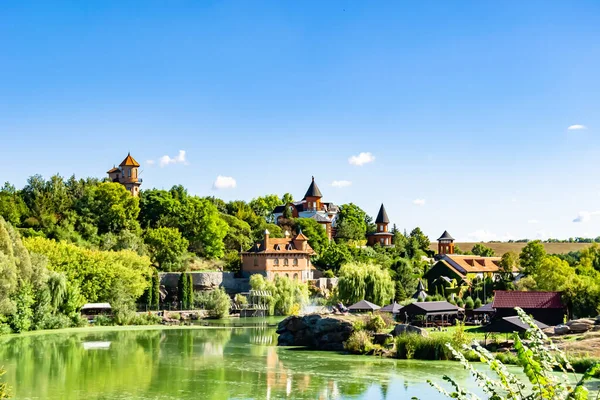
point(579, 327)
point(549, 331)
point(402, 329)
point(314, 331)
point(561, 330)
point(381, 338)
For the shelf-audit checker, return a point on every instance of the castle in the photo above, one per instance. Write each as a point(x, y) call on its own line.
point(127, 175)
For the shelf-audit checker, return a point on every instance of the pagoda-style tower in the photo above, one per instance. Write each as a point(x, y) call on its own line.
point(127, 175)
point(383, 235)
point(445, 244)
point(313, 197)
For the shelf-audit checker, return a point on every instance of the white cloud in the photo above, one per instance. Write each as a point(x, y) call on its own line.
point(178, 159)
point(224, 182)
point(361, 159)
point(150, 162)
point(481, 235)
point(341, 184)
point(576, 127)
point(585, 216)
point(419, 202)
point(533, 221)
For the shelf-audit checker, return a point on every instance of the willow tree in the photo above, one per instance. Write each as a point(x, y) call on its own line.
point(370, 282)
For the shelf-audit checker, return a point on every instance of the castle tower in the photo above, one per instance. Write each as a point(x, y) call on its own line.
point(445, 244)
point(313, 197)
point(383, 236)
point(127, 175)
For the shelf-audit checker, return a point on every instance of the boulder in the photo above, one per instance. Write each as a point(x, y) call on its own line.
point(549, 331)
point(402, 329)
point(579, 327)
point(314, 331)
point(589, 321)
point(561, 330)
point(381, 338)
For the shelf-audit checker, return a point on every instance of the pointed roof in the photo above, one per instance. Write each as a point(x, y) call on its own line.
point(129, 162)
point(393, 308)
point(300, 236)
point(420, 293)
point(313, 190)
point(113, 169)
point(446, 236)
point(382, 217)
point(363, 305)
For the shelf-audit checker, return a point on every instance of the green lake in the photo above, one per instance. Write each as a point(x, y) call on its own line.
point(203, 363)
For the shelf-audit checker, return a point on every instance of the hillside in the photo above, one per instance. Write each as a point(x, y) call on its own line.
point(501, 248)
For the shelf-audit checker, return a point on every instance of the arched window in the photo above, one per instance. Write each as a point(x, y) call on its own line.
point(286, 261)
point(295, 261)
point(295, 277)
point(287, 275)
point(276, 261)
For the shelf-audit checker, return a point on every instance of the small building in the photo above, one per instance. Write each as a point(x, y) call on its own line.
point(311, 206)
point(429, 313)
point(382, 236)
point(456, 267)
point(91, 310)
point(510, 325)
point(363, 306)
point(393, 308)
point(546, 307)
point(445, 244)
point(280, 257)
point(127, 175)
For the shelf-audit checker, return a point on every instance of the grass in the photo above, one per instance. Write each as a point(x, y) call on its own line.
point(501, 248)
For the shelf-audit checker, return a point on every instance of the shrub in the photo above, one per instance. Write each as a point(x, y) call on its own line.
point(460, 303)
point(328, 274)
point(413, 346)
point(376, 324)
point(216, 302)
point(359, 325)
point(103, 320)
point(469, 304)
point(56, 321)
point(359, 343)
point(477, 303)
point(146, 319)
point(240, 299)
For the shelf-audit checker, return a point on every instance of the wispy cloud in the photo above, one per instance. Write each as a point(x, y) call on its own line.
point(224, 182)
point(150, 162)
point(341, 184)
point(178, 159)
point(585, 216)
point(361, 159)
point(482, 235)
point(419, 202)
point(576, 127)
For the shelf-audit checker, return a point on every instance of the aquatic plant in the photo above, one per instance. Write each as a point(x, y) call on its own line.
point(538, 357)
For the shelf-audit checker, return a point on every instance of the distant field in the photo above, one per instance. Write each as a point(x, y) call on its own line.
point(501, 248)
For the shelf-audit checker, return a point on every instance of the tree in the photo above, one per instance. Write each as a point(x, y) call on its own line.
point(365, 281)
point(238, 233)
point(203, 226)
point(183, 291)
point(217, 302)
point(12, 206)
point(482, 250)
point(406, 278)
point(167, 247)
point(531, 257)
point(421, 240)
point(316, 233)
point(264, 206)
point(351, 222)
point(333, 256)
point(508, 263)
point(111, 208)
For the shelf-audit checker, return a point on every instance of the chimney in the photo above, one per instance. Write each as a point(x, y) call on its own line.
point(266, 239)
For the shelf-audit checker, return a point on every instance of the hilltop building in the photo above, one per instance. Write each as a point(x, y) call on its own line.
point(311, 206)
point(273, 257)
point(383, 236)
point(127, 175)
point(445, 244)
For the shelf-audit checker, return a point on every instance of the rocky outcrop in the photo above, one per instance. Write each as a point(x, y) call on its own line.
point(314, 331)
point(561, 329)
point(402, 329)
point(581, 325)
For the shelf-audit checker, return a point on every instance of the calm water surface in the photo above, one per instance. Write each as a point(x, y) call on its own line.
point(204, 363)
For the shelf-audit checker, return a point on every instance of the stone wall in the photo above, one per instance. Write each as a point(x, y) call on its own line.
point(314, 331)
point(206, 281)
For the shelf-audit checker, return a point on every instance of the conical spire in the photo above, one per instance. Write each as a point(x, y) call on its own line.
point(313, 190)
point(382, 217)
point(129, 162)
point(445, 236)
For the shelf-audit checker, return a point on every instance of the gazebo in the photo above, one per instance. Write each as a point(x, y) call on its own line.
point(363, 306)
point(429, 312)
point(393, 308)
point(90, 310)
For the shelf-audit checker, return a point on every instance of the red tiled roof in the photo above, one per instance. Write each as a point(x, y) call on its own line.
point(525, 300)
point(129, 162)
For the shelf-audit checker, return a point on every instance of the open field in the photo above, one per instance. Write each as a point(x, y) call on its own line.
point(501, 248)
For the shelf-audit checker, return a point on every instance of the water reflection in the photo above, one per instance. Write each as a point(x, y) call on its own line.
point(206, 363)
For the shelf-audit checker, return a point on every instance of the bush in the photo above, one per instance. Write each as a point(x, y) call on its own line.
point(359, 343)
point(56, 321)
point(376, 324)
point(240, 299)
point(146, 319)
point(413, 346)
point(103, 320)
point(359, 325)
point(477, 303)
point(216, 302)
point(328, 274)
point(469, 304)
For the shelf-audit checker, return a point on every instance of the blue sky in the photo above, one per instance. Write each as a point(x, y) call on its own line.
point(465, 106)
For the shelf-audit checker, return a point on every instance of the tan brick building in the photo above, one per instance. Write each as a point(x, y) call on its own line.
point(273, 257)
point(127, 175)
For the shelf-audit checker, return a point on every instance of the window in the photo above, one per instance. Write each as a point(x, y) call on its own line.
point(380, 228)
point(295, 262)
point(135, 172)
point(381, 240)
point(276, 261)
point(296, 277)
point(286, 261)
point(255, 261)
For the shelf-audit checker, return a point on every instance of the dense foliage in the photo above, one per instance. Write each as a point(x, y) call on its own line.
point(285, 294)
point(365, 281)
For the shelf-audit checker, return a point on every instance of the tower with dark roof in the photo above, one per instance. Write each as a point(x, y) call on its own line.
point(313, 197)
point(127, 175)
point(445, 244)
point(382, 236)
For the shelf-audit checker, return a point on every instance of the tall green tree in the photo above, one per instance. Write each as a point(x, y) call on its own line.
point(167, 247)
point(482, 250)
point(352, 222)
point(316, 233)
point(111, 208)
point(421, 240)
point(531, 257)
point(365, 281)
